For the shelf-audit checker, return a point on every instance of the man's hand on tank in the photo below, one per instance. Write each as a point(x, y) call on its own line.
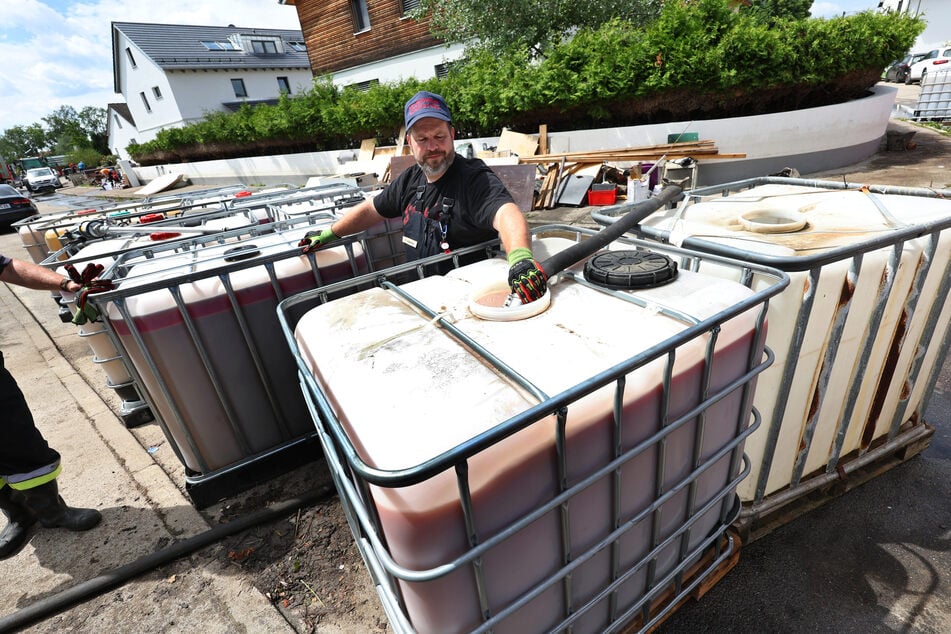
point(527, 279)
point(313, 240)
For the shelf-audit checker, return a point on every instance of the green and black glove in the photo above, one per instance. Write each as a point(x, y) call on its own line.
point(313, 240)
point(526, 277)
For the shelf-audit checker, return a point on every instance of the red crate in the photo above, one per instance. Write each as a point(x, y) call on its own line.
point(602, 196)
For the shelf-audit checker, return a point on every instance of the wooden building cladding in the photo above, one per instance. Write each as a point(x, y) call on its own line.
point(335, 42)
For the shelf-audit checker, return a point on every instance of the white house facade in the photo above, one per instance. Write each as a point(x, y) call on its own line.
point(173, 75)
point(937, 14)
point(120, 126)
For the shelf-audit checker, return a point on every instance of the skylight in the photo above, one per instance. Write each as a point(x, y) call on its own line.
point(220, 45)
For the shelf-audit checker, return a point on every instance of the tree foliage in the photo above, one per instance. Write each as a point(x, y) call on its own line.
point(772, 10)
point(63, 131)
point(538, 24)
point(698, 59)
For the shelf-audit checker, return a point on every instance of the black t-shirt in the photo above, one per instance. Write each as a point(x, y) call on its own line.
point(473, 189)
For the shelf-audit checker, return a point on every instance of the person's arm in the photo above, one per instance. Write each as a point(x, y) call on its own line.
point(34, 276)
point(361, 216)
point(526, 277)
point(512, 227)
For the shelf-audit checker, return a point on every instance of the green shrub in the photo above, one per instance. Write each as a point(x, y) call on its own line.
point(694, 60)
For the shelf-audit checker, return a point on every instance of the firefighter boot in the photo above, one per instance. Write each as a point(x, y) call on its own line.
point(51, 510)
point(19, 521)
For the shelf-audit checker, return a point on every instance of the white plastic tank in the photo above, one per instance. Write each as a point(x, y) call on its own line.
point(206, 384)
point(405, 392)
point(866, 336)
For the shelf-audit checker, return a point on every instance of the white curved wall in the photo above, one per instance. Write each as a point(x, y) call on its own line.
point(810, 140)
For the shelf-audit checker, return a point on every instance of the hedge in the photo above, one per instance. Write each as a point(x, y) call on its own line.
point(697, 60)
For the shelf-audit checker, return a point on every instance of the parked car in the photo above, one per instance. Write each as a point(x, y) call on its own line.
point(14, 206)
point(934, 60)
point(40, 179)
point(898, 70)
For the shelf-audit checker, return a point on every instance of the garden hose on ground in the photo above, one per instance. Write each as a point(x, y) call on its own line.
point(61, 601)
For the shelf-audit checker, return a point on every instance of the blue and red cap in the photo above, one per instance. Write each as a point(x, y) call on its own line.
point(425, 104)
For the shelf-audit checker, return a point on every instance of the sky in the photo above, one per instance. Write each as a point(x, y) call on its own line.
point(58, 52)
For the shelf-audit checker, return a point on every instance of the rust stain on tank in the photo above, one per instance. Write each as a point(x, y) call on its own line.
point(848, 291)
point(885, 378)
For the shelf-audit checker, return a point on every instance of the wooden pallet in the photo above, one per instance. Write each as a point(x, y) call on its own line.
point(698, 569)
point(757, 526)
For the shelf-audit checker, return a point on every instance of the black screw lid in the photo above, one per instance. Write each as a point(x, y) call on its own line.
point(629, 270)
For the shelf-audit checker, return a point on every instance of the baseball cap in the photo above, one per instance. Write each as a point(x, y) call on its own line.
point(425, 104)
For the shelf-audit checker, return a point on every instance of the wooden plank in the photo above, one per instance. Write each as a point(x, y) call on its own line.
point(698, 569)
point(366, 150)
point(401, 142)
point(522, 145)
point(543, 138)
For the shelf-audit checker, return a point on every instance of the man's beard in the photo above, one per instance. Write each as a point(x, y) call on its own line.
point(440, 168)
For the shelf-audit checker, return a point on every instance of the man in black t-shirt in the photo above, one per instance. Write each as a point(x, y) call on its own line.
point(445, 201)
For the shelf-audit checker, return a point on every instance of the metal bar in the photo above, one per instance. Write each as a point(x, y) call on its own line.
point(914, 373)
point(205, 359)
point(468, 341)
point(782, 498)
point(858, 370)
point(163, 388)
point(825, 373)
point(781, 402)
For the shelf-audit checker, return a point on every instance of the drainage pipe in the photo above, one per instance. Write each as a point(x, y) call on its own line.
point(61, 601)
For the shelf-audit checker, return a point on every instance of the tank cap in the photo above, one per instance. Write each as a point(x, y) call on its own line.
point(630, 269)
point(241, 253)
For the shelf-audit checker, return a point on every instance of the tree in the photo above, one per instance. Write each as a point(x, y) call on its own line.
point(772, 10)
point(20, 141)
point(65, 131)
point(537, 24)
point(93, 122)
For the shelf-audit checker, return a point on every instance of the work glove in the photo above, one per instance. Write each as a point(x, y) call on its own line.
point(526, 277)
point(313, 240)
point(85, 310)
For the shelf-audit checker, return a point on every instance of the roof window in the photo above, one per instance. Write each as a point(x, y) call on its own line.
point(219, 45)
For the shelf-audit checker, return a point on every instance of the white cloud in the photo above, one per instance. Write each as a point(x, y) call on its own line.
point(56, 52)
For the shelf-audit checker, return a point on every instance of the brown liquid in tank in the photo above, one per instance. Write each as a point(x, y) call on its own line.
point(494, 299)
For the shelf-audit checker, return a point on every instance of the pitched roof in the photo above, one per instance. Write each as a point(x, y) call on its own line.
point(122, 109)
point(179, 47)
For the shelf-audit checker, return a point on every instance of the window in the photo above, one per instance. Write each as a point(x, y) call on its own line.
point(118, 123)
point(145, 100)
point(300, 47)
point(156, 92)
point(363, 86)
point(239, 89)
point(224, 45)
point(283, 86)
point(361, 18)
point(128, 52)
point(442, 70)
point(409, 6)
point(264, 47)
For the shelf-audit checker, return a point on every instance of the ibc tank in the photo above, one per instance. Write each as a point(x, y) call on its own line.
point(859, 329)
point(412, 398)
point(199, 327)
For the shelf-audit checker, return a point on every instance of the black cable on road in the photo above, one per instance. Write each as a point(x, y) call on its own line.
point(61, 601)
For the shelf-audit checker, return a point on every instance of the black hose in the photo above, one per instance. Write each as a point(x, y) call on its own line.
point(638, 211)
point(61, 601)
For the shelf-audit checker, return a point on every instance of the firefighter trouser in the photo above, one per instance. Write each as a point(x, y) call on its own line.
point(26, 459)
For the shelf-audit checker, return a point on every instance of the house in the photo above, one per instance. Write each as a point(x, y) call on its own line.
point(937, 14)
point(360, 43)
point(120, 128)
point(172, 75)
